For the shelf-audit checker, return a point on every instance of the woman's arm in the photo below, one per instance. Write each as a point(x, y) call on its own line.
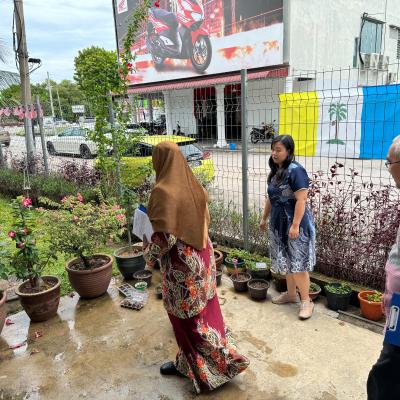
point(267, 210)
point(160, 244)
point(301, 200)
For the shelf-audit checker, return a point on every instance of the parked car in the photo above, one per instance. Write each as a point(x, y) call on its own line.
point(4, 137)
point(199, 160)
point(72, 141)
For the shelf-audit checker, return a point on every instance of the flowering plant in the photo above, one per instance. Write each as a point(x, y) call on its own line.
point(79, 228)
point(28, 261)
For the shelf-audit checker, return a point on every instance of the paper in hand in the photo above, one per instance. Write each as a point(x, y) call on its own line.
point(141, 225)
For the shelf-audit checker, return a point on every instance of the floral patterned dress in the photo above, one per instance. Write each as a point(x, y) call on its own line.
point(207, 354)
point(290, 255)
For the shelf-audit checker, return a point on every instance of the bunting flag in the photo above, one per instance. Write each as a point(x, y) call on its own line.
point(19, 111)
point(345, 123)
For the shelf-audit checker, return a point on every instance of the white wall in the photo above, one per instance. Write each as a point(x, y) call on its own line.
point(320, 33)
point(181, 109)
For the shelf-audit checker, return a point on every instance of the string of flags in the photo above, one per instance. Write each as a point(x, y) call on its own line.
point(21, 112)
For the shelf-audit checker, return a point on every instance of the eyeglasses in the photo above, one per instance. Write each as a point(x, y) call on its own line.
point(387, 163)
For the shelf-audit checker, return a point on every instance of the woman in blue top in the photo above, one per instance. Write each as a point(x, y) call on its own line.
point(291, 226)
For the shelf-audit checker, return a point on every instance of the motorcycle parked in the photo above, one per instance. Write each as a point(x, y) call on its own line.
point(266, 132)
point(179, 35)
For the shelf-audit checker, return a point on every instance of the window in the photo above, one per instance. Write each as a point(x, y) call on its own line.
point(371, 36)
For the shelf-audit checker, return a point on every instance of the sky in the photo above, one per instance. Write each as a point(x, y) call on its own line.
point(56, 30)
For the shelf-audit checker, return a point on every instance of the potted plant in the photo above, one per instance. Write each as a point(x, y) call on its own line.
point(258, 288)
point(314, 290)
point(235, 261)
point(338, 295)
point(258, 270)
point(129, 258)
point(279, 281)
point(240, 280)
point(371, 304)
point(218, 277)
point(219, 258)
point(158, 291)
point(144, 276)
point(78, 229)
point(39, 295)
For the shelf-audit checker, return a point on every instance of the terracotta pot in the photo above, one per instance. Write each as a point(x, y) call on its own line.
point(370, 309)
point(40, 306)
point(241, 266)
point(218, 277)
point(219, 258)
point(3, 309)
point(128, 265)
point(314, 294)
point(240, 285)
point(258, 293)
point(144, 276)
point(91, 283)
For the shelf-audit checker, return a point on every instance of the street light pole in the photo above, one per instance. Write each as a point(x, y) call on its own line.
point(22, 54)
point(51, 96)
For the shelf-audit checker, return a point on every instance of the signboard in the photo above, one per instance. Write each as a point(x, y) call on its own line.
point(78, 109)
point(192, 38)
point(122, 6)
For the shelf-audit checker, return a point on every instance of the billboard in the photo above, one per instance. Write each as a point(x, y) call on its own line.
point(193, 38)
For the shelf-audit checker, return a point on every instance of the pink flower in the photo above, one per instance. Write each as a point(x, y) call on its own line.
point(120, 217)
point(115, 208)
point(26, 202)
point(26, 231)
point(79, 197)
point(21, 245)
point(63, 200)
point(11, 234)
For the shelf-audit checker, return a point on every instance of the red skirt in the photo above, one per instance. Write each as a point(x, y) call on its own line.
point(207, 354)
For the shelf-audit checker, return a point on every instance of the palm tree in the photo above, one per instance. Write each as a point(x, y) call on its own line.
point(337, 113)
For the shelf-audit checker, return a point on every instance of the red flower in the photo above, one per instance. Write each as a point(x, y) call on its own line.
point(129, 66)
point(21, 245)
point(11, 234)
point(157, 4)
point(26, 231)
point(26, 202)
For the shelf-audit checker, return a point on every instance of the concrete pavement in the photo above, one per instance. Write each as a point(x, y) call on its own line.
point(97, 350)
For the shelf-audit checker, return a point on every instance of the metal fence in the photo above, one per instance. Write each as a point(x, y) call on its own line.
point(343, 122)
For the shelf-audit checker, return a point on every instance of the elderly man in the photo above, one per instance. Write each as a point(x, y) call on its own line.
point(384, 379)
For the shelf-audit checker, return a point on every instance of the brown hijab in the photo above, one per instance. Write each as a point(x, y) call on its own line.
point(178, 203)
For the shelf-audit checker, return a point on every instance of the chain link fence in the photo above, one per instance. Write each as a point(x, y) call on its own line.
point(343, 122)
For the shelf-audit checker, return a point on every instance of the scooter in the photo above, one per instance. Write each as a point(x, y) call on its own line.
point(179, 35)
point(266, 132)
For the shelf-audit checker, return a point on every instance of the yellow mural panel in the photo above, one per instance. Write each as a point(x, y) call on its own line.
point(299, 118)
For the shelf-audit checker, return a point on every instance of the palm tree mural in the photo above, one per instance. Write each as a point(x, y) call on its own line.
point(337, 113)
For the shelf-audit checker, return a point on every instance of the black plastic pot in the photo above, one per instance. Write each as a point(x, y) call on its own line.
point(240, 285)
point(260, 273)
point(158, 291)
point(218, 277)
point(128, 265)
point(337, 301)
point(144, 276)
point(256, 292)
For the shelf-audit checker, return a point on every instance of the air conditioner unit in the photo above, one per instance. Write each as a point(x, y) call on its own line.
point(371, 60)
point(392, 77)
point(383, 62)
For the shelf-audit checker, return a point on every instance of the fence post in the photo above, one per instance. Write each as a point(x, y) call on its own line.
point(1, 156)
point(245, 183)
point(115, 145)
point(42, 139)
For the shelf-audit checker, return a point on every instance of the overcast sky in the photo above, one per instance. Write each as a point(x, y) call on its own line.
point(56, 30)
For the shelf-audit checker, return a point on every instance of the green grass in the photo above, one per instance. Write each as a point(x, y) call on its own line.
point(43, 235)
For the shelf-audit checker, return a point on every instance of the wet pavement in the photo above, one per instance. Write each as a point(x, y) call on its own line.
point(95, 349)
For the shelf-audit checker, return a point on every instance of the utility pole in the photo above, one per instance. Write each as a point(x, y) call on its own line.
point(59, 104)
point(51, 96)
point(22, 53)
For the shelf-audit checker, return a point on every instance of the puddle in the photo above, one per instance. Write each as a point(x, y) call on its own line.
point(283, 370)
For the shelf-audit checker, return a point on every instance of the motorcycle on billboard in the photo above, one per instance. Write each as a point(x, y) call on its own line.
point(179, 35)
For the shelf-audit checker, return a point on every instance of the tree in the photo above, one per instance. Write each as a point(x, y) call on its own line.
point(337, 113)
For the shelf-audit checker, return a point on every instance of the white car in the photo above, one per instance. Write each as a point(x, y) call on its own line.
point(72, 141)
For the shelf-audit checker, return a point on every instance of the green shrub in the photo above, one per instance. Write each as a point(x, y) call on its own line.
point(375, 297)
point(52, 186)
point(340, 288)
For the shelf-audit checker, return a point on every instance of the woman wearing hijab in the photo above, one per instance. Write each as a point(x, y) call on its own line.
point(179, 215)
